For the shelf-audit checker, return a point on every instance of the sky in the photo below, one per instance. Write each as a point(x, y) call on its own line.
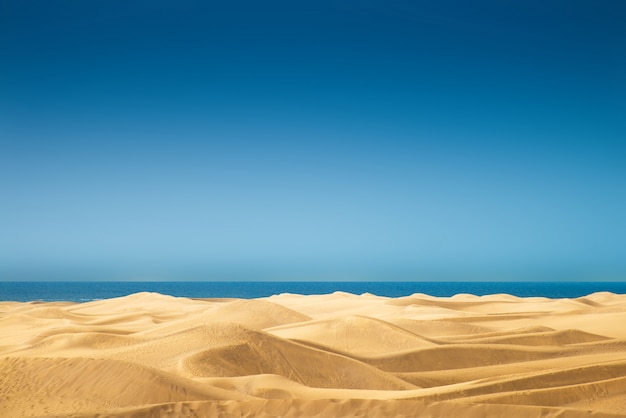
point(326, 140)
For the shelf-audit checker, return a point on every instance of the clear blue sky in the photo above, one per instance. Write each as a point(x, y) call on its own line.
point(320, 140)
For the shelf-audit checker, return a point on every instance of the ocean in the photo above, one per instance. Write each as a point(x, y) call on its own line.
point(87, 291)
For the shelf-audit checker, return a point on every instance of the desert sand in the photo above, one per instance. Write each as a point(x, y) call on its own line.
point(332, 355)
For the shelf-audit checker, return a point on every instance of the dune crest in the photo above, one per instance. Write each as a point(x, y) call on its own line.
point(340, 354)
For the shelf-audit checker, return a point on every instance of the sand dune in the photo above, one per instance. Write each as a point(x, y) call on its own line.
point(56, 386)
point(265, 354)
point(355, 334)
point(541, 338)
point(258, 314)
point(324, 355)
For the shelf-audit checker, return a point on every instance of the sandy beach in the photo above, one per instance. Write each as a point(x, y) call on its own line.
point(331, 355)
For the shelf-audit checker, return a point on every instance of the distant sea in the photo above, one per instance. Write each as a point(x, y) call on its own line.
point(87, 291)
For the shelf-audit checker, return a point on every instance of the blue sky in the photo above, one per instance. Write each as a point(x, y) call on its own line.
point(313, 140)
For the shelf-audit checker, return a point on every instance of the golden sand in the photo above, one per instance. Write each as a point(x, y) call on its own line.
point(315, 356)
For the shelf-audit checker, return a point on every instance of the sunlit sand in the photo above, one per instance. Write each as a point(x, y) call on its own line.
point(149, 354)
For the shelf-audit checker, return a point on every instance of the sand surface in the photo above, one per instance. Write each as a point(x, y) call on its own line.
point(315, 356)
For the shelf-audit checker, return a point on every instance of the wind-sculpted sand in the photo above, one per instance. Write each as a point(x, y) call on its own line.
point(148, 355)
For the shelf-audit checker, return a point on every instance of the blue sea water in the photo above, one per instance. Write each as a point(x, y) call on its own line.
point(86, 291)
